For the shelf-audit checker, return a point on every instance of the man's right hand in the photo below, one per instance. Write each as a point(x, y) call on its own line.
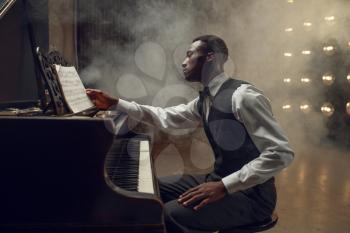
point(101, 100)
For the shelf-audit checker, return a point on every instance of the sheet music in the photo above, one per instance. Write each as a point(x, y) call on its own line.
point(73, 89)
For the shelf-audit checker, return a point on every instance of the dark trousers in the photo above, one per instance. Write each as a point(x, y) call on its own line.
point(236, 209)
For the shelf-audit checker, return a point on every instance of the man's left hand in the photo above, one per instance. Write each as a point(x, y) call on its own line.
point(205, 193)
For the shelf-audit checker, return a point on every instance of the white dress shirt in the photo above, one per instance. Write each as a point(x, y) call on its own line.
point(251, 108)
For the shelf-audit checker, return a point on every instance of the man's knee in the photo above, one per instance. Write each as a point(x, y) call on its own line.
point(174, 210)
point(180, 215)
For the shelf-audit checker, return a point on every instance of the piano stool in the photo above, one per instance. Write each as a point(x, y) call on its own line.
point(258, 227)
point(252, 228)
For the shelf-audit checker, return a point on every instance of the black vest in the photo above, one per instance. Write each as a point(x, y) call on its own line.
point(229, 139)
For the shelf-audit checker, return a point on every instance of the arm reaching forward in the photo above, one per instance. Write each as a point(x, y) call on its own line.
point(183, 116)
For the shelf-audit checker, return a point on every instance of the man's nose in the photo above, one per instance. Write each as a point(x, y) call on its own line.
point(184, 64)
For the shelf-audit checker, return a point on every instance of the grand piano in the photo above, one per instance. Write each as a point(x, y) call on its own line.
point(61, 172)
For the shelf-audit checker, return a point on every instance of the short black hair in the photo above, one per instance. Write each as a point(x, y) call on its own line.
point(214, 44)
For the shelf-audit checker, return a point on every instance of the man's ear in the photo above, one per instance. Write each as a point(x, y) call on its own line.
point(210, 57)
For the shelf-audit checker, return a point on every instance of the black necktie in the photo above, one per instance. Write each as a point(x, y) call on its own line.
point(202, 96)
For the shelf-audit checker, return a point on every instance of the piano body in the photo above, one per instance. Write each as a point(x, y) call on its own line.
point(61, 173)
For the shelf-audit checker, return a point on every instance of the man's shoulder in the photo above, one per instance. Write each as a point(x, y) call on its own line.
point(249, 96)
point(239, 90)
point(232, 81)
point(231, 85)
point(240, 86)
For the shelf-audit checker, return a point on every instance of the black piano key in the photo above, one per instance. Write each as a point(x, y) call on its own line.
point(122, 163)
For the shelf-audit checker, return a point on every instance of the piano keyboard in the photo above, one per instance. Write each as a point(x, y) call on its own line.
point(128, 165)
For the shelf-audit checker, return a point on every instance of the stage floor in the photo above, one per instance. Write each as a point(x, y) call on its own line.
point(314, 192)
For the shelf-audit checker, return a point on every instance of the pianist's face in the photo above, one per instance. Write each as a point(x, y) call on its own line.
point(193, 64)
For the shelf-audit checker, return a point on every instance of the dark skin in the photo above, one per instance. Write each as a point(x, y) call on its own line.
point(205, 194)
point(198, 66)
point(101, 100)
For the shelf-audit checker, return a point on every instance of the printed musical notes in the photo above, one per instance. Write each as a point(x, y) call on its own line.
point(73, 89)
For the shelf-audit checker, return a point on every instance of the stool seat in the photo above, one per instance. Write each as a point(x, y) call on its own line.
point(256, 227)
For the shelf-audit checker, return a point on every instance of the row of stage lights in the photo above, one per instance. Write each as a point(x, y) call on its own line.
point(327, 79)
point(307, 25)
point(327, 108)
point(328, 50)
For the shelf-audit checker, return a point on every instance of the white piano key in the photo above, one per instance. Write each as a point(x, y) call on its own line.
point(145, 180)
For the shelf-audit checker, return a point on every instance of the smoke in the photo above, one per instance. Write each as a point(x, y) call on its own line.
point(151, 37)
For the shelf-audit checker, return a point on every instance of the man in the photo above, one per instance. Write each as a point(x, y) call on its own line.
point(249, 146)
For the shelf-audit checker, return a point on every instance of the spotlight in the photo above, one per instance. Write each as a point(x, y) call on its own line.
point(306, 52)
point(328, 79)
point(348, 77)
point(305, 107)
point(287, 54)
point(305, 80)
point(307, 26)
point(287, 80)
point(327, 109)
point(290, 1)
point(348, 108)
point(329, 19)
point(288, 29)
point(287, 107)
point(329, 50)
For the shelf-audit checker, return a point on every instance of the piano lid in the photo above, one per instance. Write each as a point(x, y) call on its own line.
point(23, 27)
point(5, 5)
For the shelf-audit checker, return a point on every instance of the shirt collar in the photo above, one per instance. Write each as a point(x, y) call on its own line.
point(215, 84)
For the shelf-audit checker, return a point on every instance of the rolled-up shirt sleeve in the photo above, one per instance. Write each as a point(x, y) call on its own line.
point(183, 116)
point(253, 109)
